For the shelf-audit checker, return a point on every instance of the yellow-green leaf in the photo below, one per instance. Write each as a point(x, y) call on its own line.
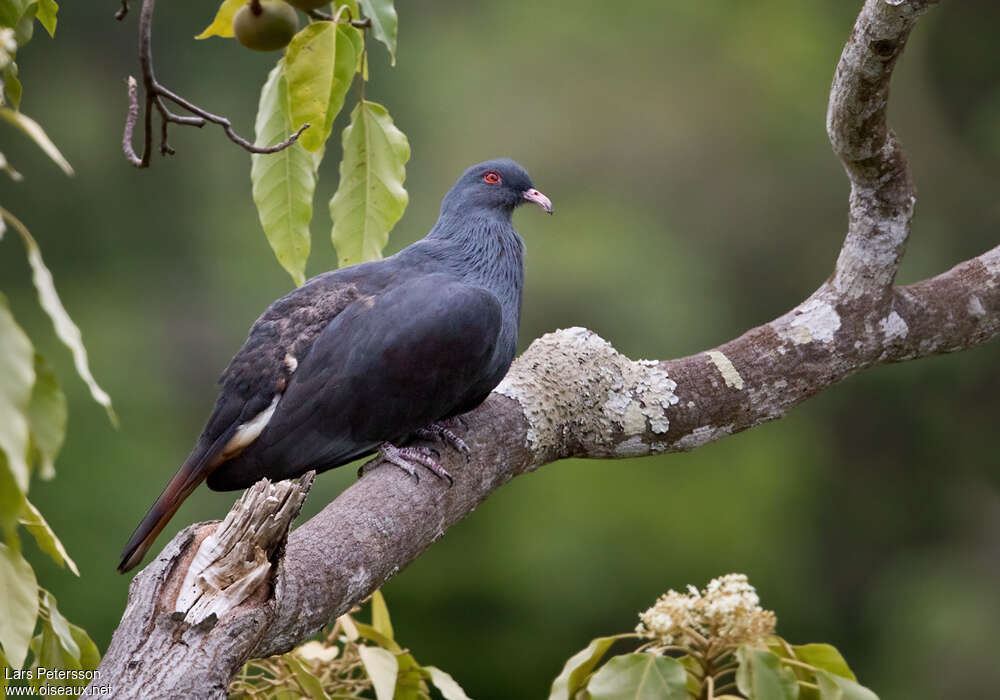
point(449, 687)
point(283, 182)
point(761, 675)
point(380, 615)
point(17, 376)
point(46, 418)
point(18, 605)
point(30, 127)
point(382, 668)
point(47, 10)
point(640, 677)
point(11, 502)
point(835, 687)
point(384, 23)
point(310, 684)
point(45, 536)
point(222, 25)
point(579, 666)
point(12, 88)
point(67, 331)
point(320, 63)
point(826, 657)
point(370, 198)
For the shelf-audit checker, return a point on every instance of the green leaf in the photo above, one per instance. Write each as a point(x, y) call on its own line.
point(310, 684)
point(46, 417)
point(835, 687)
point(17, 376)
point(370, 198)
point(90, 657)
point(380, 615)
point(283, 182)
point(824, 656)
point(448, 686)
point(382, 668)
point(12, 86)
point(67, 331)
point(639, 677)
point(222, 25)
point(384, 23)
point(18, 605)
point(762, 677)
point(47, 10)
point(30, 127)
point(372, 634)
point(3, 678)
point(12, 502)
point(46, 538)
point(12, 12)
point(576, 669)
point(320, 63)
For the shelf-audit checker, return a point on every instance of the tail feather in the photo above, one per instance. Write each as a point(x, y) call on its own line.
point(202, 461)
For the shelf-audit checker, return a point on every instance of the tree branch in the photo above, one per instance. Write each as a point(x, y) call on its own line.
point(571, 394)
point(157, 93)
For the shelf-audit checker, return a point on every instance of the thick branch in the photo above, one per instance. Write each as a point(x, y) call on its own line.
point(572, 394)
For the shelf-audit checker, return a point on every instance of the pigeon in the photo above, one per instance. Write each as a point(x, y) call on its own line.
point(366, 358)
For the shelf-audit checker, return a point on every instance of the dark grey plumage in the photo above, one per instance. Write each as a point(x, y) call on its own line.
point(368, 354)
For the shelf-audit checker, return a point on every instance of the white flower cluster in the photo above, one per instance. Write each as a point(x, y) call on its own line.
point(8, 47)
point(726, 613)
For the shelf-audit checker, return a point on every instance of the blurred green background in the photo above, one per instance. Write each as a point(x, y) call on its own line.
point(684, 147)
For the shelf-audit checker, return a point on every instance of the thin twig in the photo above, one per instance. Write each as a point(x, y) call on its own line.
point(154, 99)
point(361, 23)
point(122, 11)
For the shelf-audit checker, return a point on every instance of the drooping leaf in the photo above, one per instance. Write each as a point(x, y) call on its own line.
point(67, 331)
point(761, 676)
point(11, 502)
point(18, 605)
point(3, 676)
point(13, 11)
point(90, 656)
point(382, 668)
point(30, 127)
point(222, 25)
point(283, 182)
point(370, 198)
point(46, 537)
point(12, 86)
point(384, 23)
point(372, 634)
point(576, 669)
point(835, 687)
point(46, 418)
point(320, 63)
point(47, 10)
point(17, 376)
point(448, 686)
point(380, 615)
point(826, 657)
point(310, 684)
point(639, 677)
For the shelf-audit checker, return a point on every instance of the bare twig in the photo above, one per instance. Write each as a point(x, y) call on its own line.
point(572, 394)
point(122, 11)
point(156, 93)
point(361, 23)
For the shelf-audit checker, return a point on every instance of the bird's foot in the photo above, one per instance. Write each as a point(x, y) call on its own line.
point(407, 459)
point(442, 431)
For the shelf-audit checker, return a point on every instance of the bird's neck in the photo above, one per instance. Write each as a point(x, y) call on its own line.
point(487, 252)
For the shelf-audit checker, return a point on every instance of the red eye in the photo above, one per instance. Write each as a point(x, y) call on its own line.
point(492, 177)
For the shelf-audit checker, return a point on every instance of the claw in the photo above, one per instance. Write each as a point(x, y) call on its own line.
point(440, 431)
point(407, 459)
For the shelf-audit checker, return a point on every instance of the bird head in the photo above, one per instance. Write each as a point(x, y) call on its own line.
point(498, 186)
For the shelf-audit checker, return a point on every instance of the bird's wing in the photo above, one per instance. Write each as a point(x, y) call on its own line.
point(252, 385)
point(388, 365)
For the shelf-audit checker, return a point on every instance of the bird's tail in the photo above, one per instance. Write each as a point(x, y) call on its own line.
point(199, 465)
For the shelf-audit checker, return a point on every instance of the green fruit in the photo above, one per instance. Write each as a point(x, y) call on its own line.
point(306, 5)
point(271, 30)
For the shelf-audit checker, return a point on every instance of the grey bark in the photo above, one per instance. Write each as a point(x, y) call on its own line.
point(571, 394)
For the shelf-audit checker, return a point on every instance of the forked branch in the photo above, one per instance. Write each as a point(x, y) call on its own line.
point(573, 394)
